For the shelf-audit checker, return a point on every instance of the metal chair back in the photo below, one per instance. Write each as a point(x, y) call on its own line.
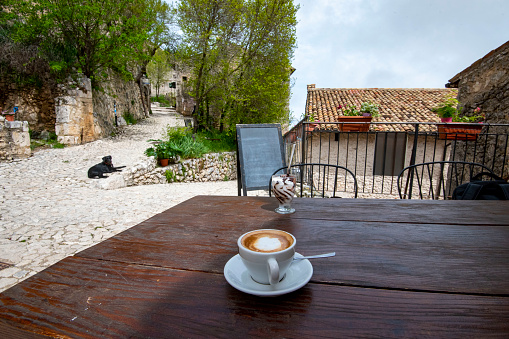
point(436, 180)
point(321, 181)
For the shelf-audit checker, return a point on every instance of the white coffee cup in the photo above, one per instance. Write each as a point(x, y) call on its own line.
point(267, 254)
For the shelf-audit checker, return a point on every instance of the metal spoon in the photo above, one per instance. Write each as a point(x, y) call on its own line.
point(325, 255)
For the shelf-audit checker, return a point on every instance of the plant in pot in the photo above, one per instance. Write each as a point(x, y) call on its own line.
point(351, 114)
point(162, 151)
point(369, 109)
point(448, 109)
point(460, 127)
point(8, 115)
point(311, 127)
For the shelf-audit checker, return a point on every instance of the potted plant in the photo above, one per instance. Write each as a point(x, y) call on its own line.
point(312, 126)
point(462, 127)
point(162, 152)
point(448, 108)
point(8, 115)
point(351, 114)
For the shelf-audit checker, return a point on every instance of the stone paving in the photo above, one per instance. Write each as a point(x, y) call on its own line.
point(49, 210)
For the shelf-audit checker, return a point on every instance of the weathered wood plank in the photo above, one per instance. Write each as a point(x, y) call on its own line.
point(411, 211)
point(454, 258)
point(88, 298)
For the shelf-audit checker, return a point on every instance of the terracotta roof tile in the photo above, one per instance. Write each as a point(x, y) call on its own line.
point(395, 104)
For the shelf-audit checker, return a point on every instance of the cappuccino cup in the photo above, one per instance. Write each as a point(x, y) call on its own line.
point(267, 254)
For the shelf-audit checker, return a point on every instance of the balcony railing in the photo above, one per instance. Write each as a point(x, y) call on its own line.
point(378, 155)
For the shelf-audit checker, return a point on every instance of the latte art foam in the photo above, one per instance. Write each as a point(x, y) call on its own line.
point(267, 241)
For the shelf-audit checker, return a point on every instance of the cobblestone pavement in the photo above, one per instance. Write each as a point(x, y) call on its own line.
point(48, 209)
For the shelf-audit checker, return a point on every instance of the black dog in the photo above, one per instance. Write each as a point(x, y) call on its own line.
point(97, 171)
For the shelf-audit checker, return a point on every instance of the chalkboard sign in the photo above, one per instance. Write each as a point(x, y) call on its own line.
point(260, 151)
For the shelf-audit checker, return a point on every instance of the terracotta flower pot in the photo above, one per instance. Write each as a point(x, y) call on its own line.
point(9, 117)
point(459, 131)
point(311, 127)
point(163, 162)
point(354, 127)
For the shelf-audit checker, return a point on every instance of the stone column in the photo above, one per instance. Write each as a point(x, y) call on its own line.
point(14, 139)
point(74, 114)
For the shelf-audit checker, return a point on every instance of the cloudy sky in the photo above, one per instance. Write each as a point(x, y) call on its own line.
point(391, 43)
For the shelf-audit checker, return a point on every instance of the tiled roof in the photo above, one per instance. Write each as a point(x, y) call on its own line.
point(395, 104)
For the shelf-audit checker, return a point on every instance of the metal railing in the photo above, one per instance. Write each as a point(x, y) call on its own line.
point(377, 156)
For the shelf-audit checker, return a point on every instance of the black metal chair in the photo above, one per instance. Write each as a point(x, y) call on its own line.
point(436, 180)
point(321, 180)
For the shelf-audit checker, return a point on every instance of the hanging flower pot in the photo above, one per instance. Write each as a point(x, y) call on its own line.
point(354, 127)
point(310, 127)
point(459, 131)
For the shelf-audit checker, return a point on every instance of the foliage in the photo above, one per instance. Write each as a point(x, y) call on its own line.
point(217, 142)
point(158, 70)
point(367, 107)
point(312, 118)
point(129, 118)
point(180, 141)
point(350, 111)
point(40, 143)
point(170, 176)
point(88, 37)
point(449, 107)
point(239, 52)
point(163, 100)
point(162, 150)
point(474, 118)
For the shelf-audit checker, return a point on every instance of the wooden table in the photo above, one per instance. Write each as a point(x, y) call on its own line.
point(403, 268)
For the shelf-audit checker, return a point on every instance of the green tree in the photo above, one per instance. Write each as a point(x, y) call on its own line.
point(158, 69)
point(240, 53)
point(90, 36)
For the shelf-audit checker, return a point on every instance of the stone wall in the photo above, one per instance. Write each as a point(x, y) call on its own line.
point(74, 115)
point(123, 96)
point(485, 84)
point(80, 113)
point(36, 106)
point(14, 139)
point(211, 167)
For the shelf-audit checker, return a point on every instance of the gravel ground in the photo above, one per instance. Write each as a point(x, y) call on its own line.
point(48, 209)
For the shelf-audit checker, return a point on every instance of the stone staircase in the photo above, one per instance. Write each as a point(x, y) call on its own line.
point(177, 118)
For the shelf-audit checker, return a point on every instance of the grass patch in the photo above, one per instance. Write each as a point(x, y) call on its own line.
point(129, 118)
point(164, 101)
point(217, 142)
point(41, 143)
point(170, 176)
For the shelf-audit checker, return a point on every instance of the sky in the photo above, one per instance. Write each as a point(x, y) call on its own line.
point(391, 43)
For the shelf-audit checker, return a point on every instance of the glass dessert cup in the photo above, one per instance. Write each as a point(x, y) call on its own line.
point(283, 188)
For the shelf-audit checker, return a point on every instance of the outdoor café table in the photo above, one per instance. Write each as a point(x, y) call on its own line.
point(403, 268)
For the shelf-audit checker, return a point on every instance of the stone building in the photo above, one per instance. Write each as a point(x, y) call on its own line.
point(396, 105)
point(176, 87)
point(485, 84)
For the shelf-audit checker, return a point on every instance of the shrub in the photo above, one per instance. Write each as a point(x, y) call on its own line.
point(163, 100)
point(180, 141)
point(129, 118)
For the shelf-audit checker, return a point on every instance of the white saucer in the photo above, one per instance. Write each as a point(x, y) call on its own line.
point(297, 275)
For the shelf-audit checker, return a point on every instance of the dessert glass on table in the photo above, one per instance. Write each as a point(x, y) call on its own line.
point(283, 188)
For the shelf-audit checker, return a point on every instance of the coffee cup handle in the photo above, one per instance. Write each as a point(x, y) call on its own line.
point(273, 271)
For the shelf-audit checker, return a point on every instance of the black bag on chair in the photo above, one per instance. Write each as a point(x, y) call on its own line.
point(477, 189)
